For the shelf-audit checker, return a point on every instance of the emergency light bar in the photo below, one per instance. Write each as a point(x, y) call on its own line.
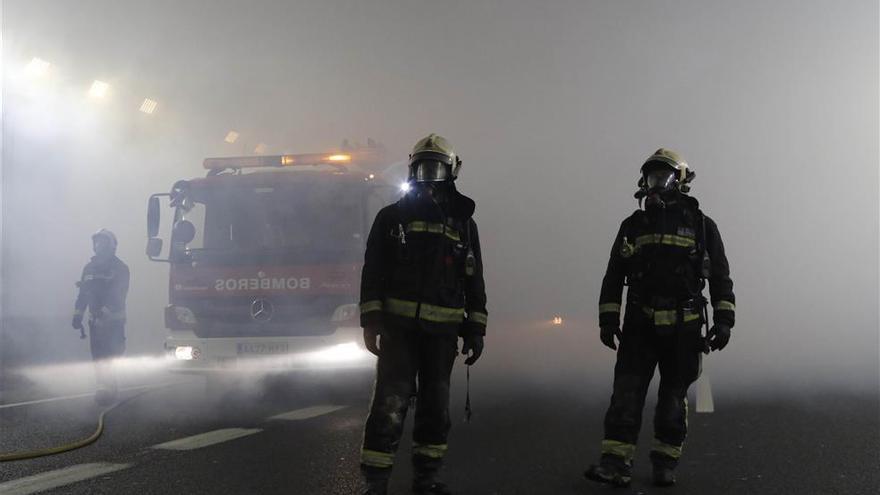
point(277, 161)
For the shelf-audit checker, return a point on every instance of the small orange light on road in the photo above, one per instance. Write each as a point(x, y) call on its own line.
point(557, 320)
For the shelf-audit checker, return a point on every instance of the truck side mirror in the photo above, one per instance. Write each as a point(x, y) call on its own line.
point(154, 247)
point(153, 218)
point(184, 232)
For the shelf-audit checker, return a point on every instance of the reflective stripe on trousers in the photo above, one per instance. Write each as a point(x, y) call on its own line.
point(432, 451)
point(673, 451)
point(376, 459)
point(620, 449)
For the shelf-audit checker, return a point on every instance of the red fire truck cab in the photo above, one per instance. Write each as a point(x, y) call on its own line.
point(265, 255)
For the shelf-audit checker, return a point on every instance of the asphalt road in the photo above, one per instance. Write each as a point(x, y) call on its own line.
point(524, 438)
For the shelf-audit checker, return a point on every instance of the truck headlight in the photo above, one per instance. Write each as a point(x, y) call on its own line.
point(186, 352)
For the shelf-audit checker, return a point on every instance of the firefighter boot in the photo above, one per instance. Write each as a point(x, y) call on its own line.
point(426, 477)
point(375, 480)
point(612, 470)
point(664, 469)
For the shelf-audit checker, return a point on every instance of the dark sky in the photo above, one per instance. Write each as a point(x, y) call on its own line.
point(553, 107)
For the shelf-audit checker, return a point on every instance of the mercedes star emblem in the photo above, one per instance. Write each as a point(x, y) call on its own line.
point(261, 310)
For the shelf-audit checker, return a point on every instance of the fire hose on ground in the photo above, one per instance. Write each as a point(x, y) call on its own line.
point(78, 444)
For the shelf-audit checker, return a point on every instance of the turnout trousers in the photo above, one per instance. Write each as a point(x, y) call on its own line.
point(676, 351)
point(413, 366)
point(107, 341)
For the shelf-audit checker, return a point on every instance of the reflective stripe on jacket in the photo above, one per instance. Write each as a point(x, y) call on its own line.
point(417, 269)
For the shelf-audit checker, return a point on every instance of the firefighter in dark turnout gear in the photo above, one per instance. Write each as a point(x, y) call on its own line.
point(664, 254)
point(421, 289)
point(103, 288)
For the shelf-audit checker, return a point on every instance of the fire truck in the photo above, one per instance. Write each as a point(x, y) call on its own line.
point(265, 255)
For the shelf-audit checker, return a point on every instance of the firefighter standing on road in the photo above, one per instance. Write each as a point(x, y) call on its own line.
point(102, 290)
point(665, 254)
point(421, 288)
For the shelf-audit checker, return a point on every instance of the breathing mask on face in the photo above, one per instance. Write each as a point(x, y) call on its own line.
point(663, 179)
point(430, 171)
point(102, 247)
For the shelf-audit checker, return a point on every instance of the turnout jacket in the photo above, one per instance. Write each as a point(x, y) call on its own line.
point(665, 255)
point(103, 288)
point(423, 267)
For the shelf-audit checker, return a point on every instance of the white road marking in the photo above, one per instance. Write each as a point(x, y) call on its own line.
point(60, 477)
point(207, 439)
point(307, 413)
point(80, 396)
point(705, 404)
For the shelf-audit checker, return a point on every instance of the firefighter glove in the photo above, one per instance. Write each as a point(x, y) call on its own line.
point(607, 335)
point(77, 322)
point(473, 345)
point(371, 338)
point(718, 336)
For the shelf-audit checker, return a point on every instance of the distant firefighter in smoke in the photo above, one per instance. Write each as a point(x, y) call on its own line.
point(421, 288)
point(103, 288)
point(664, 254)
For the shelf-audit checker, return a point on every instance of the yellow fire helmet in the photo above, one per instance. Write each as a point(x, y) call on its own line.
point(676, 162)
point(670, 158)
point(433, 160)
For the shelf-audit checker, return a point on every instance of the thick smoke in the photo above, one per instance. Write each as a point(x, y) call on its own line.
point(553, 109)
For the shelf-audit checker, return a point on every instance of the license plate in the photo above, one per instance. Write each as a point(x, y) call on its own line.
point(262, 348)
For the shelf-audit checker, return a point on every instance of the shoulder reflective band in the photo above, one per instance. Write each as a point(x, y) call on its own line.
point(433, 228)
point(725, 306)
point(669, 317)
point(427, 312)
point(478, 317)
point(673, 451)
point(432, 451)
point(369, 306)
point(665, 239)
point(377, 459)
point(609, 308)
point(620, 449)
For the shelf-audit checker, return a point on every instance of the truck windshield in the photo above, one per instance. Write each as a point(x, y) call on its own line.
point(302, 220)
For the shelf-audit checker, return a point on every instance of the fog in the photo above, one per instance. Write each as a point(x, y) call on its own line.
point(553, 107)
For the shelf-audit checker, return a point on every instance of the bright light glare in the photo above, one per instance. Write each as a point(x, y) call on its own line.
point(339, 158)
point(148, 106)
point(184, 353)
point(79, 377)
point(98, 89)
point(404, 187)
point(231, 137)
point(341, 353)
point(37, 67)
point(557, 320)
